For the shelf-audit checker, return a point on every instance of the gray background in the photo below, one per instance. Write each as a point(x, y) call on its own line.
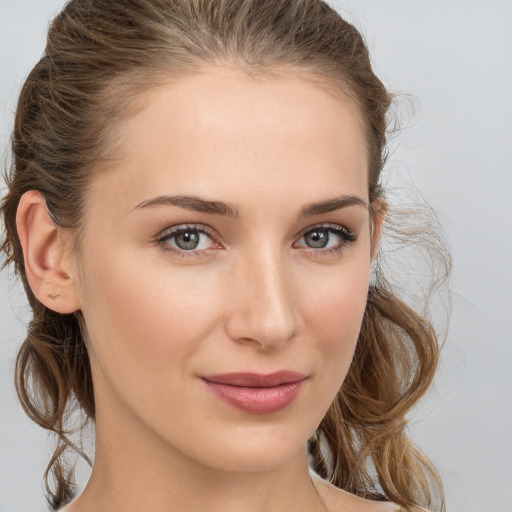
point(455, 60)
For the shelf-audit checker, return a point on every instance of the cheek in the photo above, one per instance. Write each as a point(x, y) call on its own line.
point(143, 322)
point(337, 306)
point(335, 311)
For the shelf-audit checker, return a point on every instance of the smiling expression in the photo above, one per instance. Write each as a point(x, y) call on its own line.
point(234, 237)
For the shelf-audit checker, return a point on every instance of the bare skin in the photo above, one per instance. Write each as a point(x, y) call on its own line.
point(258, 293)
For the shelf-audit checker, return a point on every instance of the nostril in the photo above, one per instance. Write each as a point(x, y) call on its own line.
point(263, 302)
point(269, 332)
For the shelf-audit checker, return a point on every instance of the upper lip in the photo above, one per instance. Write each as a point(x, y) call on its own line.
point(256, 380)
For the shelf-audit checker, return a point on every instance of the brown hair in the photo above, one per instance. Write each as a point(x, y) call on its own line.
point(102, 54)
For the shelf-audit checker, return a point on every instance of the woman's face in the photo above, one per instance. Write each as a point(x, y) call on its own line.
point(234, 238)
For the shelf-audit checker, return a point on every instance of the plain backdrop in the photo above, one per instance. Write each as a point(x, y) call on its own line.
point(454, 59)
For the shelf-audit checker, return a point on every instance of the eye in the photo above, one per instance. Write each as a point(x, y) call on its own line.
point(187, 239)
point(329, 238)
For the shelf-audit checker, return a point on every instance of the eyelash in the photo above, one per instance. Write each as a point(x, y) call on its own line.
point(183, 228)
point(346, 236)
point(343, 233)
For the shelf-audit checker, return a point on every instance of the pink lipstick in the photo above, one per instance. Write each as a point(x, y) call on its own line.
point(255, 393)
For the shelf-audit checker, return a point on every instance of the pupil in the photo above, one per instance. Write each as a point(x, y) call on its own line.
point(187, 240)
point(317, 239)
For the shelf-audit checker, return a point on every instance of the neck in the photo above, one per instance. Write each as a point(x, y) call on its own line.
point(135, 470)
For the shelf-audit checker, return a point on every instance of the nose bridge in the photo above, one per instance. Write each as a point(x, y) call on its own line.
point(264, 303)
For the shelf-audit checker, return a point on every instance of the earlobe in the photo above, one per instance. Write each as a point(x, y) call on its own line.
point(49, 264)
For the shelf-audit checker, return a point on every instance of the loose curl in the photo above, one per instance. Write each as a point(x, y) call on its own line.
point(100, 57)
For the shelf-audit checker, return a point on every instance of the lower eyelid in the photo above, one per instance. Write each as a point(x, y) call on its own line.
point(346, 236)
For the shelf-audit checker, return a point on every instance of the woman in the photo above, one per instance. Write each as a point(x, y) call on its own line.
point(195, 211)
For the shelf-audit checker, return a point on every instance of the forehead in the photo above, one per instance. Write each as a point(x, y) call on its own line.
point(224, 135)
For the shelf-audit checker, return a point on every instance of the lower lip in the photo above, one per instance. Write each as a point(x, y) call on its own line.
point(257, 400)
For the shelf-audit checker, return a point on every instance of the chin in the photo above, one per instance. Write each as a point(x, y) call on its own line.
point(266, 458)
point(250, 452)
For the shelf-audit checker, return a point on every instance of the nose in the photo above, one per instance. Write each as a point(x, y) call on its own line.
point(263, 301)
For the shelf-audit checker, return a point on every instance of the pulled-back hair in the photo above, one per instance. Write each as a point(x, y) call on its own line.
point(101, 55)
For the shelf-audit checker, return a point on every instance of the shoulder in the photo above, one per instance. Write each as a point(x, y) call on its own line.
point(337, 500)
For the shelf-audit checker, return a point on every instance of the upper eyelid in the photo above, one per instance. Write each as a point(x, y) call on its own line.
point(323, 225)
point(202, 228)
point(216, 238)
point(169, 233)
point(213, 233)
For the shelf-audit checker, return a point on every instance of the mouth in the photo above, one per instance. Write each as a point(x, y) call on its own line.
point(255, 393)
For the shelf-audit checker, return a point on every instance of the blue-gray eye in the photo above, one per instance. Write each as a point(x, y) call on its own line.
point(317, 239)
point(187, 240)
point(326, 237)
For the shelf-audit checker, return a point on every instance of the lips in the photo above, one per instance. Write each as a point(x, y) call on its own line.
point(256, 393)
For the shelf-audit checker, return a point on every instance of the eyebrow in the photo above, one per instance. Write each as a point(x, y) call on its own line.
point(331, 205)
point(198, 204)
point(193, 203)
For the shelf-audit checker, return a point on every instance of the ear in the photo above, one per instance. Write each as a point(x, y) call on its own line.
point(50, 264)
point(379, 212)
